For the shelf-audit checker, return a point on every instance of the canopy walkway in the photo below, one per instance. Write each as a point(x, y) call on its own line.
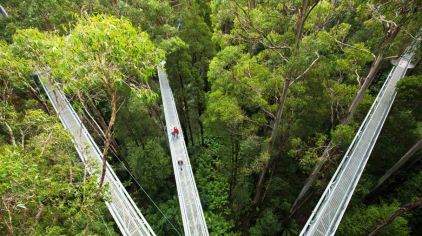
point(121, 206)
point(190, 204)
point(332, 205)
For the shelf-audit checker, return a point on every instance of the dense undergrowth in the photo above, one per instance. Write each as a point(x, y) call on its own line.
point(266, 92)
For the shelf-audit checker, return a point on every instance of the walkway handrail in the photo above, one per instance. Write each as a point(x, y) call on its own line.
point(190, 204)
point(3, 12)
point(332, 205)
point(123, 209)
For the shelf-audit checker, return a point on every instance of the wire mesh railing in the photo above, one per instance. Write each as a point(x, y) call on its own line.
point(190, 205)
point(332, 205)
point(123, 209)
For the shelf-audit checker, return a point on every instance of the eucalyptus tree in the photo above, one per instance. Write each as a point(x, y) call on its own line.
point(401, 211)
point(383, 21)
point(268, 46)
point(46, 15)
point(43, 189)
point(409, 100)
point(188, 66)
point(274, 37)
point(101, 56)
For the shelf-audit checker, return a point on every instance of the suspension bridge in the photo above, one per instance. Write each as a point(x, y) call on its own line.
point(121, 206)
point(190, 204)
point(124, 211)
point(324, 219)
point(332, 205)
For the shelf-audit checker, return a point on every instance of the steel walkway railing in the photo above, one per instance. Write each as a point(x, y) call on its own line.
point(190, 204)
point(332, 205)
point(3, 12)
point(121, 206)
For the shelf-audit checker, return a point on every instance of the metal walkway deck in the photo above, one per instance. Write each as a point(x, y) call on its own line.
point(124, 211)
point(332, 205)
point(190, 205)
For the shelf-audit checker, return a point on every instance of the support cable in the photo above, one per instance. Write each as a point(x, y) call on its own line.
point(143, 190)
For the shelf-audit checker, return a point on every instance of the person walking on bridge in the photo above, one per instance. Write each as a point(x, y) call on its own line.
point(180, 163)
point(175, 132)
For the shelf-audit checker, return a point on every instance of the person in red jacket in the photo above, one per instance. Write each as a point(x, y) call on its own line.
point(175, 132)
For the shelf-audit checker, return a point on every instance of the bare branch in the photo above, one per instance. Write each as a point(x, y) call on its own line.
point(351, 46)
point(358, 78)
point(307, 69)
point(10, 131)
point(45, 143)
point(391, 57)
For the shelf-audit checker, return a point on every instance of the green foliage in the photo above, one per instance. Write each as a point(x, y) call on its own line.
point(307, 154)
point(45, 15)
point(224, 110)
point(13, 69)
point(360, 220)
point(173, 44)
point(43, 189)
point(214, 188)
point(156, 17)
point(218, 225)
point(147, 164)
point(343, 135)
point(96, 52)
point(228, 63)
point(409, 96)
point(410, 189)
point(267, 224)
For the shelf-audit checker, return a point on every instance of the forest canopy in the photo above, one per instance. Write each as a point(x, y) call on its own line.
point(270, 94)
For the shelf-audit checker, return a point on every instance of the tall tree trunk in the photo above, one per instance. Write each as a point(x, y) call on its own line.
point(389, 36)
point(188, 120)
point(39, 99)
point(99, 118)
point(183, 122)
point(274, 132)
point(252, 3)
point(11, 135)
point(201, 128)
point(406, 157)
point(231, 174)
point(109, 135)
point(300, 21)
point(190, 127)
point(156, 113)
point(368, 81)
point(303, 14)
point(201, 109)
point(185, 109)
point(316, 172)
point(234, 167)
point(402, 210)
point(95, 125)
